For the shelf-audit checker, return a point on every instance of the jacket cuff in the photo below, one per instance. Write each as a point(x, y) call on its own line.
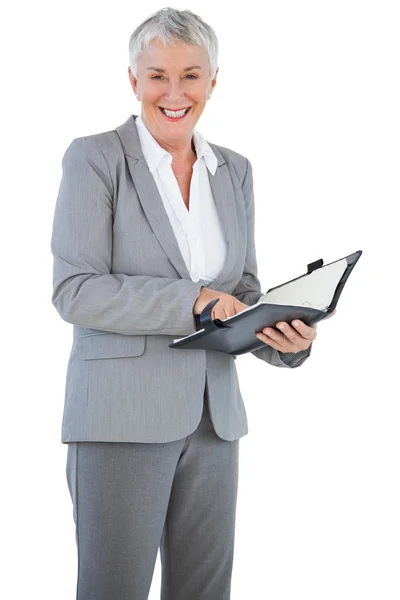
point(295, 359)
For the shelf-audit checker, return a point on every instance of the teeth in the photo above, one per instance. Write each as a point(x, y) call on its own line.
point(173, 113)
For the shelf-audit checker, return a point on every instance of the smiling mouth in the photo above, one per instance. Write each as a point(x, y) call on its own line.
point(174, 109)
point(162, 110)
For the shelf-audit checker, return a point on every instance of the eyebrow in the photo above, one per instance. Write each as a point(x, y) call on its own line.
point(163, 70)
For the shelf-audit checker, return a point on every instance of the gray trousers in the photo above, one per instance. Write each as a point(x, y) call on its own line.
point(130, 499)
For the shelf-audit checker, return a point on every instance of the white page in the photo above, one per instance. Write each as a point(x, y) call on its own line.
point(315, 290)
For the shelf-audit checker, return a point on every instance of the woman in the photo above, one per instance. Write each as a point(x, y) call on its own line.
point(151, 224)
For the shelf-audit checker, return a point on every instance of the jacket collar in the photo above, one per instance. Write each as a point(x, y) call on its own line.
point(151, 201)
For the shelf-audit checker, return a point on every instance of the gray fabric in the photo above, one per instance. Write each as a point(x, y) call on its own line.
point(120, 279)
point(129, 499)
point(295, 359)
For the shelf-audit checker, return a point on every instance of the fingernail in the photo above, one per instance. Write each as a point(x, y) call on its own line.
point(295, 323)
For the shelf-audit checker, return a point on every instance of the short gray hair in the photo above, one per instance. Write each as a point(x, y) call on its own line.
point(168, 24)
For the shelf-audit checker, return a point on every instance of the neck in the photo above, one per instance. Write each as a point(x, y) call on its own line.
point(179, 155)
point(183, 153)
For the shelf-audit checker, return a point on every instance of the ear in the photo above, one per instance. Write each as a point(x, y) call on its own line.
point(214, 81)
point(133, 81)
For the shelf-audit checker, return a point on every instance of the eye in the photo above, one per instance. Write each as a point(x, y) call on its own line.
point(157, 76)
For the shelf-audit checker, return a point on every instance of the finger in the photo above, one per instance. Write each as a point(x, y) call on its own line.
point(281, 341)
point(241, 306)
point(221, 315)
point(309, 333)
point(269, 341)
point(290, 333)
point(291, 341)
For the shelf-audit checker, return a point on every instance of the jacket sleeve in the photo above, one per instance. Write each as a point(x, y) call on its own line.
point(85, 292)
point(248, 290)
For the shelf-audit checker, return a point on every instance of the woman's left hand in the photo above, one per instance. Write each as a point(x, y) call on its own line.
point(293, 338)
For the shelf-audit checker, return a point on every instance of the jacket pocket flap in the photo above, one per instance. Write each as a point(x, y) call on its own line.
point(110, 345)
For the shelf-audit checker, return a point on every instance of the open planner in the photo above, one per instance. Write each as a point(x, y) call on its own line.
point(310, 297)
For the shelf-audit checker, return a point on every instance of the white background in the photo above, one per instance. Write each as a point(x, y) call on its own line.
point(309, 92)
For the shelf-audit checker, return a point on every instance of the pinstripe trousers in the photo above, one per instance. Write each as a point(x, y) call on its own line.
point(131, 499)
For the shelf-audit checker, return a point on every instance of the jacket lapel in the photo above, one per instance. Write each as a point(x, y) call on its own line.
point(153, 207)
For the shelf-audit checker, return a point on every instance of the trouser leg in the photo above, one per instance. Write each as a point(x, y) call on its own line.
point(120, 494)
point(197, 544)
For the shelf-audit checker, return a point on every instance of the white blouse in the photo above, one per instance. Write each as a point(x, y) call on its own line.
point(198, 230)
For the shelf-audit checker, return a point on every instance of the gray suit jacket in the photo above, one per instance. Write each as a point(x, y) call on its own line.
point(120, 279)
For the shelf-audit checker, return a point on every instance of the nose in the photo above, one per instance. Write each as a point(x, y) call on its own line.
point(174, 93)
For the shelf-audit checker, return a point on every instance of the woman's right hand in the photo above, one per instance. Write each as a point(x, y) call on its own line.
point(228, 305)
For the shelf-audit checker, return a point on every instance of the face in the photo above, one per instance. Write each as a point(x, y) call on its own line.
point(165, 80)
